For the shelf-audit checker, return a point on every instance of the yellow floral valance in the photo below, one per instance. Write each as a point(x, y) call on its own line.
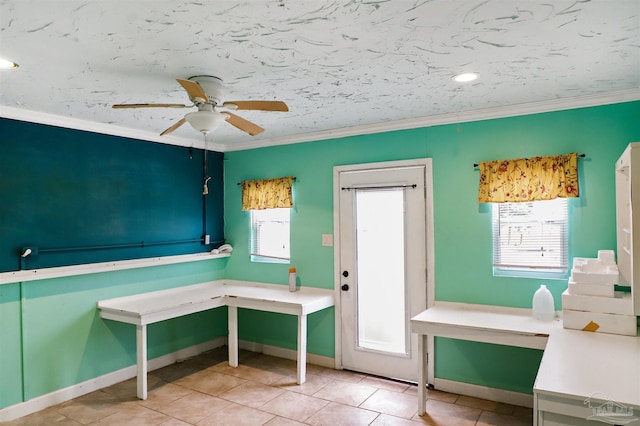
point(267, 193)
point(529, 179)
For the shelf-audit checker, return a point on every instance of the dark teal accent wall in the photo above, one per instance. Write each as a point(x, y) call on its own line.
point(68, 192)
point(463, 242)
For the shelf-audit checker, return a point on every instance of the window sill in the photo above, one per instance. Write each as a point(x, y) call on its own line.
point(272, 260)
point(534, 274)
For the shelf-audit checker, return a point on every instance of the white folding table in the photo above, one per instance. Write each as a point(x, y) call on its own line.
point(579, 369)
point(147, 308)
point(478, 323)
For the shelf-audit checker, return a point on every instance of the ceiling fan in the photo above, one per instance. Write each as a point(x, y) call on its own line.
point(205, 91)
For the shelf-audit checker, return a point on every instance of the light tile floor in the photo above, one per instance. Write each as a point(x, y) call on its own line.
point(204, 390)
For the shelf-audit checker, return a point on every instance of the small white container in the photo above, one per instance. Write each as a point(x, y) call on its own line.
point(543, 306)
point(292, 279)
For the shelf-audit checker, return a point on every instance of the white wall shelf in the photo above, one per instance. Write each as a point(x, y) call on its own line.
point(92, 268)
point(628, 214)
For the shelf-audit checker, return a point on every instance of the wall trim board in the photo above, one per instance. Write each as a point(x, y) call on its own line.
point(57, 397)
point(449, 118)
point(484, 392)
point(290, 354)
point(61, 395)
point(411, 123)
point(92, 268)
point(102, 128)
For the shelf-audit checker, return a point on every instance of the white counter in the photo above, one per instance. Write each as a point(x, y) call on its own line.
point(579, 370)
point(147, 308)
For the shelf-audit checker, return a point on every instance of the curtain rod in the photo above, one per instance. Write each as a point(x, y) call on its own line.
point(293, 178)
point(349, 188)
point(476, 164)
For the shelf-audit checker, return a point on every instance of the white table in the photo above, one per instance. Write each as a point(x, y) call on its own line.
point(578, 368)
point(580, 371)
point(478, 323)
point(147, 308)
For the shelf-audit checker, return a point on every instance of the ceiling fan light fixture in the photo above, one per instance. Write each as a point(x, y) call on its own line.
point(205, 121)
point(465, 77)
point(6, 64)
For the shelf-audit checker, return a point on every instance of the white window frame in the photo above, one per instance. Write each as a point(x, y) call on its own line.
point(513, 249)
point(269, 228)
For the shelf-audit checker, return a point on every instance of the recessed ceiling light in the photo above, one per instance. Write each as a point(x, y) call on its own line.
point(7, 65)
point(465, 77)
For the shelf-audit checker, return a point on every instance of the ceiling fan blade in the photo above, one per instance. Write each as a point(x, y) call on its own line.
point(194, 90)
point(174, 127)
point(149, 106)
point(257, 105)
point(244, 125)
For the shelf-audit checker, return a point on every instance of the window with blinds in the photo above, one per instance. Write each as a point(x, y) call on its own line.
point(531, 239)
point(269, 239)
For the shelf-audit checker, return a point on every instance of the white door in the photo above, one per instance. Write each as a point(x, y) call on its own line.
point(382, 244)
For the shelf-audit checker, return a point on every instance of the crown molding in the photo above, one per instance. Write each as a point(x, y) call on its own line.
point(389, 126)
point(450, 118)
point(102, 128)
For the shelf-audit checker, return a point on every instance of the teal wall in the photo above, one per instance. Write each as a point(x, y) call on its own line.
point(463, 241)
point(10, 338)
point(51, 335)
point(312, 215)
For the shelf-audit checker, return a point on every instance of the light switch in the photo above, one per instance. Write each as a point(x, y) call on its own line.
point(327, 240)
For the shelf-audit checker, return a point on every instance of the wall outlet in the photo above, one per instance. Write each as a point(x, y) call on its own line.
point(327, 240)
point(207, 239)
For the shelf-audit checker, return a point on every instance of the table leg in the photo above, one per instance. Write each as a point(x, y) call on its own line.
point(141, 356)
point(535, 409)
point(302, 349)
point(233, 336)
point(422, 373)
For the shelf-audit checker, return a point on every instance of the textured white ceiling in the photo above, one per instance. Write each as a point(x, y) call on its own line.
point(336, 63)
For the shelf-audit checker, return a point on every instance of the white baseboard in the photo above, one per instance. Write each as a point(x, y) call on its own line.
point(74, 391)
point(61, 395)
point(322, 361)
point(484, 392)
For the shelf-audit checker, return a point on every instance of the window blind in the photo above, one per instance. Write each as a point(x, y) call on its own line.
point(269, 237)
point(531, 235)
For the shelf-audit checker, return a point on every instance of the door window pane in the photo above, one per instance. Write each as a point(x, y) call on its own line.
point(381, 301)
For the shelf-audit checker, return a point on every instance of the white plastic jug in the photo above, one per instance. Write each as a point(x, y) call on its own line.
point(543, 306)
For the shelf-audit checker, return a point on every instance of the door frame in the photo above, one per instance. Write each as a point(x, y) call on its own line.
point(429, 227)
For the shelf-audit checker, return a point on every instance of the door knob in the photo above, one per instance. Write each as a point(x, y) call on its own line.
point(345, 287)
point(345, 274)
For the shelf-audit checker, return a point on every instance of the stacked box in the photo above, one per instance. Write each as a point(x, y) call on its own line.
point(591, 302)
